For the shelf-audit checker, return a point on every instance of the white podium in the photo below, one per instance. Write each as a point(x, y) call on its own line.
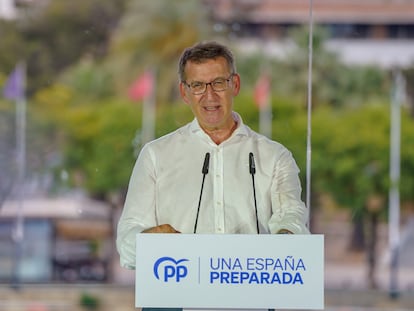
point(234, 271)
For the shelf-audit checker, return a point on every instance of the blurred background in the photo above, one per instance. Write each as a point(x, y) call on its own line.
point(86, 83)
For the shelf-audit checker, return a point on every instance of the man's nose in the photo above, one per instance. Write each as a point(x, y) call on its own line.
point(209, 89)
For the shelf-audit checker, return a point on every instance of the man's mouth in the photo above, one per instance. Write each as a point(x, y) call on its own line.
point(211, 108)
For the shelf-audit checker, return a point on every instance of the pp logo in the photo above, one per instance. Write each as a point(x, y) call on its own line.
point(167, 268)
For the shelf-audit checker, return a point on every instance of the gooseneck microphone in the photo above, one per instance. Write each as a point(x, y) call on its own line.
point(252, 169)
point(204, 171)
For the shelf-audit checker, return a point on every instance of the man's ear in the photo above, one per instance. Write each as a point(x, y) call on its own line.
point(183, 93)
point(236, 84)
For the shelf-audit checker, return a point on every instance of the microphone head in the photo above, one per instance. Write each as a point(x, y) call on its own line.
point(206, 163)
point(252, 166)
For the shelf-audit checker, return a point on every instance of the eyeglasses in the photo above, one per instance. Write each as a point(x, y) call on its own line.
point(218, 85)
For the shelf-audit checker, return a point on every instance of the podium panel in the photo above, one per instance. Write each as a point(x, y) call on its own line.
point(234, 271)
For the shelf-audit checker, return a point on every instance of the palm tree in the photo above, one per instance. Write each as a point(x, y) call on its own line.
point(153, 34)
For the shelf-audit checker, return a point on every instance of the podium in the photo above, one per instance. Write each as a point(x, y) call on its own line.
point(231, 271)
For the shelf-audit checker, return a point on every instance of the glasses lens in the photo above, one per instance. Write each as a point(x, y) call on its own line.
point(219, 84)
point(197, 87)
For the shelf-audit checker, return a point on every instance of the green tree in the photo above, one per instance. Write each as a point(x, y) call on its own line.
point(88, 125)
point(152, 35)
point(52, 37)
point(95, 138)
point(333, 83)
point(409, 77)
point(12, 46)
point(7, 150)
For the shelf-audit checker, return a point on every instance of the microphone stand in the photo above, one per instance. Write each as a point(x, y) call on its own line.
point(252, 168)
point(205, 172)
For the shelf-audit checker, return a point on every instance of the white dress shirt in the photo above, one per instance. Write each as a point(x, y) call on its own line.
point(165, 187)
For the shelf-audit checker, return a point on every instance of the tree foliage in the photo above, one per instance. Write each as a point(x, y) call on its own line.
point(84, 60)
point(12, 45)
point(52, 37)
point(7, 152)
point(152, 35)
point(333, 83)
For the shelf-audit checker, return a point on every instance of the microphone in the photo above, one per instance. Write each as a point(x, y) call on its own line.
point(206, 164)
point(204, 171)
point(252, 166)
point(252, 170)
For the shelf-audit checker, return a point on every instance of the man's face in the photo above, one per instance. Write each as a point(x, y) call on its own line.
point(213, 109)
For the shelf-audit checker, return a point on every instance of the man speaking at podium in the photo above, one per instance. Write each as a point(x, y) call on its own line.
point(213, 175)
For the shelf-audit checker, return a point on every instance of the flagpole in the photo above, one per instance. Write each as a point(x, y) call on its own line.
point(18, 232)
point(148, 114)
point(265, 119)
point(394, 193)
point(309, 115)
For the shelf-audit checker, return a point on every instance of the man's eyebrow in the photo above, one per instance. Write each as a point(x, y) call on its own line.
point(197, 81)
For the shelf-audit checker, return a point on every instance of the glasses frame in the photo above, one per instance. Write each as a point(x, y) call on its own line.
point(211, 85)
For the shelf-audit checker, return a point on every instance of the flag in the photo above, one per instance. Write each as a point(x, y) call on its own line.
point(262, 91)
point(15, 84)
point(142, 87)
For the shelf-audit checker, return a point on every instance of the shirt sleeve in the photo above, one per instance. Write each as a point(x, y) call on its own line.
point(289, 212)
point(138, 213)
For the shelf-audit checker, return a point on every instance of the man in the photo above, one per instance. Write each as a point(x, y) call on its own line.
point(164, 190)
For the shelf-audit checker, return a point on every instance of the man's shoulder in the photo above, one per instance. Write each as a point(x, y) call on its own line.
point(263, 140)
point(171, 136)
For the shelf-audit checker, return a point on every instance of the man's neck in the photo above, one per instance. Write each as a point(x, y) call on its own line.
point(220, 135)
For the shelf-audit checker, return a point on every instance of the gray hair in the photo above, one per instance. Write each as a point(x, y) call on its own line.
point(202, 52)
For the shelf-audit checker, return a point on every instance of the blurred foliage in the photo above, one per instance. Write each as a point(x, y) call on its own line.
point(352, 163)
point(152, 35)
point(171, 117)
point(7, 156)
point(97, 146)
point(51, 38)
point(82, 58)
point(91, 79)
point(89, 301)
point(333, 83)
point(409, 77)
point(12, 45)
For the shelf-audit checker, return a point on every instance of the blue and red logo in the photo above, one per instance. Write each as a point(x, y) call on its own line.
point(168, 269)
